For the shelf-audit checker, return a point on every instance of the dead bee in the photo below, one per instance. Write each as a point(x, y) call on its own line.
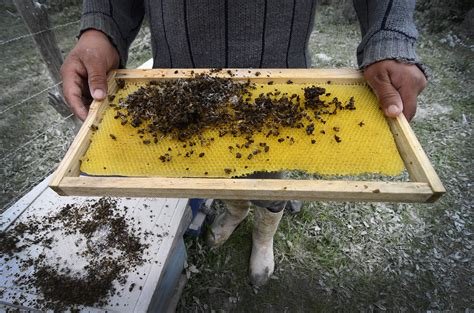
point(120, 83)
point(310, 129)
point(337, 138)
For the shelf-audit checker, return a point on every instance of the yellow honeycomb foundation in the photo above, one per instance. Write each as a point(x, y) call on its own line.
point(369, 148)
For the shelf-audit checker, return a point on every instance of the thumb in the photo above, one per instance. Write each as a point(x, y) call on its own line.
point(97, 77)
point(388, 95)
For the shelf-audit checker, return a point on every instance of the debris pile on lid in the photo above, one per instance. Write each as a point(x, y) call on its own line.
point(107, 246)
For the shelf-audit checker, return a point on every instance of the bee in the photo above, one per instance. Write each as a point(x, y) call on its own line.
point(361, 123)
point(147, 142)
point(238, 155)
point(113, 136)
point(120, 83)
point(227, 171)
point(336, 129)
point(201, 154)
point(337, 138)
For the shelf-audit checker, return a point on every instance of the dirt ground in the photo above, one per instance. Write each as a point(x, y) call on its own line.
point(329, 257)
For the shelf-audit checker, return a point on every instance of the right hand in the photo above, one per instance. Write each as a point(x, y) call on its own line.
point(84, 72)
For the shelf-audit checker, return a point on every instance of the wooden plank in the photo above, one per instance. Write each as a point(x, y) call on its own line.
point(345, 75)
point(416, 161)
point(13, 212)
point(70, 165)
point(265, 189)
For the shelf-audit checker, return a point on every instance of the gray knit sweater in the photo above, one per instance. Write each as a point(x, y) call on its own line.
point(246, 33)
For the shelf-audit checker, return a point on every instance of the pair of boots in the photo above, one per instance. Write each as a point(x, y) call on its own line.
point(262, 262)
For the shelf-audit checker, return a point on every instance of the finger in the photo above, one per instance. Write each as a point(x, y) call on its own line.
point(96, 76)
point(408, 95)
point(388, 95)
point(72, 87)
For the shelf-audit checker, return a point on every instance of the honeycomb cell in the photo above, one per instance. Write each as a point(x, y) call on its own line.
point(351, 142)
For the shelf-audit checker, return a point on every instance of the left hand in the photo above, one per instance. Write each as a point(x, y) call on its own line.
point(396, 85)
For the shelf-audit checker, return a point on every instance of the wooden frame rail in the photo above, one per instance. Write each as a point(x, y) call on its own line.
point(424, 184)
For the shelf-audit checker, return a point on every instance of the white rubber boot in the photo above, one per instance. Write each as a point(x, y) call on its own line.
point(225, 224)
point(262, 261)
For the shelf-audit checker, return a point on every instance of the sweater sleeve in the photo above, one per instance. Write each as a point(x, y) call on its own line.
point(120, 20)
point(388, 31)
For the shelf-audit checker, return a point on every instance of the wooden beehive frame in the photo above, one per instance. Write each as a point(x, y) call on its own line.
point(424, 184)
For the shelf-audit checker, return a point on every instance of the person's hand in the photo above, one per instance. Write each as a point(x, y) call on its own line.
point(396, 85)
point(84, 72)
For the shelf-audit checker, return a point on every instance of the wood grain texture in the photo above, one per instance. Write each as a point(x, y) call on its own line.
point(416, 161)
point(341, 76)
point(264, 189)
point(70, 165)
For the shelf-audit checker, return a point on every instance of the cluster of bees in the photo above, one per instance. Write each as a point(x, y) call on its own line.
point(184, 109)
